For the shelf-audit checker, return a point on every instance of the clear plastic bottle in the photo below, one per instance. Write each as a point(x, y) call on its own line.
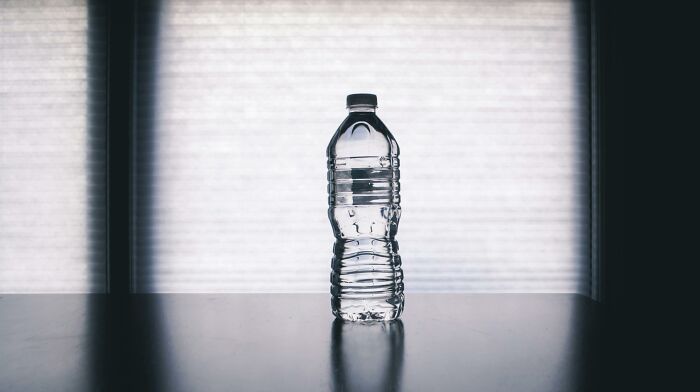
point(364, 210)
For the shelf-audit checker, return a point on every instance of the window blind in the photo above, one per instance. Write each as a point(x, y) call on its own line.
point(52, 111)
point(238, 100)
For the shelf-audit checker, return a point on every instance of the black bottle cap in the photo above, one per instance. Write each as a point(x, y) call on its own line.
point(361, 99)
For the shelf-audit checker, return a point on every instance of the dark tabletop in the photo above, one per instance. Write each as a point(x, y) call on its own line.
point(290, 342)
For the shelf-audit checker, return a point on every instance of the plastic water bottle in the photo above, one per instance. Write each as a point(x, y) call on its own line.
point(364, 210)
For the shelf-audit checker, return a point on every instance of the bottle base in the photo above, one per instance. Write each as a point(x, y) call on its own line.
point(368, 309)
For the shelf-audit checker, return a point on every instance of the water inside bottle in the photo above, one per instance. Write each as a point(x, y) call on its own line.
point(364, 210)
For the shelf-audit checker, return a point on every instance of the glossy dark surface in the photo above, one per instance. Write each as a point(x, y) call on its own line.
point(290, 342)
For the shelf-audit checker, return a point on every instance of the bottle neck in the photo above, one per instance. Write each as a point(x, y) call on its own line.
point(362, 109)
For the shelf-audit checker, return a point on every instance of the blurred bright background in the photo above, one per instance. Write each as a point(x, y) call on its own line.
point(489, 102)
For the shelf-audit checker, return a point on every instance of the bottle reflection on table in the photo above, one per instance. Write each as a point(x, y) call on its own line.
point(367, 356)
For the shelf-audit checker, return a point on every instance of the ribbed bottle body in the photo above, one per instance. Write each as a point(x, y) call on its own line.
point(364, 211)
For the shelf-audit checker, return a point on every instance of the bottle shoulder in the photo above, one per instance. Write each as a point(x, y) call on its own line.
point(362, 134)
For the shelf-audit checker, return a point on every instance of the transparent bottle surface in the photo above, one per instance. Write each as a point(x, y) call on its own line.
point(364, 211)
